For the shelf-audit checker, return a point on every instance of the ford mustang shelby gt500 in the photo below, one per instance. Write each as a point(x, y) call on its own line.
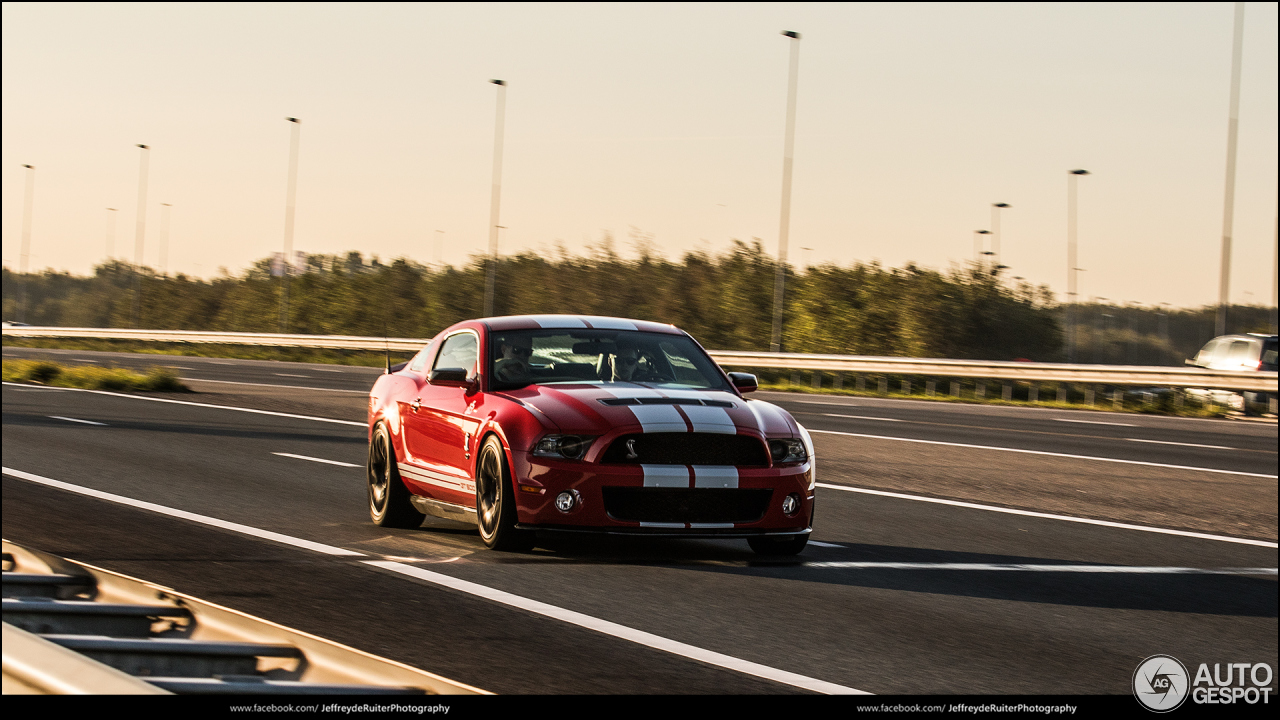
point(536, 423)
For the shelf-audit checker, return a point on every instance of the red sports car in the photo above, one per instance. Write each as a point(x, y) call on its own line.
point(534, 423)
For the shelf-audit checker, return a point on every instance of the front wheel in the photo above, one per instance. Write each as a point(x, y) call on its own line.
point(495, 501)
point(778, 546)
point(389, 504)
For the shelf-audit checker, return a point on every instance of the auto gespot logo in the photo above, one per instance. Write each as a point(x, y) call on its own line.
point(1161, 683)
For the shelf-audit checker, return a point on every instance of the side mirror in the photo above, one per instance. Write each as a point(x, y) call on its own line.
point(744, 382)
point(451, 377)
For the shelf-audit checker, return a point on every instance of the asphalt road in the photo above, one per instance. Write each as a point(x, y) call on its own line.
point(899, 593)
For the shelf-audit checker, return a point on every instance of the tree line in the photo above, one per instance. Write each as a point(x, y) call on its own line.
point(724, 300)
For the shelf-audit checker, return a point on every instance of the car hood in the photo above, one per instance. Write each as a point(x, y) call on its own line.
point(596, 408)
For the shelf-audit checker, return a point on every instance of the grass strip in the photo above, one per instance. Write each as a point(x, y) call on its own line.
point(43, 372)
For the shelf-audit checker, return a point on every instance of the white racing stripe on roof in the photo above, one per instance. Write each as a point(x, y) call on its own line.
point(607, 323)
point(707, 419)
point(557, 321)
point(715, 476)
point(676, 476)
point(659, 418)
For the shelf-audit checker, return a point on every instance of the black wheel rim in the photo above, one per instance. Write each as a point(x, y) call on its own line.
point(379, 474)
point(488, 483)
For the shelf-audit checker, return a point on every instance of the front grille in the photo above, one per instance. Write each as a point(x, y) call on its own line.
point(686, 505)
point(687, 449)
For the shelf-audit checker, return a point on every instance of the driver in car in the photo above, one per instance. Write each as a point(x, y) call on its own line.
point(513, 366)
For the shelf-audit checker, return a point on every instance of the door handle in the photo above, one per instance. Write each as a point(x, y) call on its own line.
point(417, 403)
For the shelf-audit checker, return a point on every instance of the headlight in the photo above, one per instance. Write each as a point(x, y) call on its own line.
point(572, 447)
point(790, 450)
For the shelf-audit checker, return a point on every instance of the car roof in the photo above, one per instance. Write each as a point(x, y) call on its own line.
point(539, 322)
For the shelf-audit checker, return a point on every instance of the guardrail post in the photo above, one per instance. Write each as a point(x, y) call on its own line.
point(862, 383)
point(1007, 394)
point(1088, 395)
point(1117, 398)
point(979, 389)
point(906, 387)
point(839, 381)
point(815, 380)
point(1062, 393)
point(1033, 393)
point(929, 387)
point(884, 385)
point(955, 389)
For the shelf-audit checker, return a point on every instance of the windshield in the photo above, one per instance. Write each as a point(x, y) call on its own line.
point(546, 357)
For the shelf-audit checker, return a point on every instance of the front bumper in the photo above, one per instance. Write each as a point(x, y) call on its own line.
point(662, 500)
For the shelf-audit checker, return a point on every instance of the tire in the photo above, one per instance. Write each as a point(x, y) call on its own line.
point(778, 546)
point(389, 504)
point(495, 501)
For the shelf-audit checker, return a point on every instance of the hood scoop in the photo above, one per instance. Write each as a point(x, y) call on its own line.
point(666, 401)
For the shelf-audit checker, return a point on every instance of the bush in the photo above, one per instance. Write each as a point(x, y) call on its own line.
point(92, 378)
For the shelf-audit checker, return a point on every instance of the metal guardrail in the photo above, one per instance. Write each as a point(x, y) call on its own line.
point(72, 628)
point(1133, 375)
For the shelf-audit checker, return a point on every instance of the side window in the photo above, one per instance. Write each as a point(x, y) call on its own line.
point(420, 360)
point(1205, 356)
point(1239, 352)
point(459, 351)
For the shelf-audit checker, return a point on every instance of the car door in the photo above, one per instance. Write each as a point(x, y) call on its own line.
point(439, 431)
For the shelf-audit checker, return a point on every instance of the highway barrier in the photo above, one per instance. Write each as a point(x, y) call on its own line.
point(1119, 375)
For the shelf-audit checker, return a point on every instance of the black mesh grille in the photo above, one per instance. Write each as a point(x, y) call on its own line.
point(687, 449)
point(686, 505)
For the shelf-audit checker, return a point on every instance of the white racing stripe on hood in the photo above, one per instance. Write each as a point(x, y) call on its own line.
point(659, 418)
point(708, 419)
point(676, 476)
point(715, 476)
point(558, 321)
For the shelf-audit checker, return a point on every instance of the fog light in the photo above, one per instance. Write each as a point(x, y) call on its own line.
point(566, 501)
point(790, 504)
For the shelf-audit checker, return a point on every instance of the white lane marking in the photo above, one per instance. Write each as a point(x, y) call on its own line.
point(326, 370)
point(178, 367)
point(863, 417)
point(74, 420)
point(1049, 454)
point(824, 544)
point(218, 407)
point(1166, 442)
point(85, 360)
point(1095, 422)
point(623, 632)
point(292, 375)
point(316, 459)
point(219, 362)
point(1019, 567)
point(289, 387)
point(183, 514)
point(1051, 516)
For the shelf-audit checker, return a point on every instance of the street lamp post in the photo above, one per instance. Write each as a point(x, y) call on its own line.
point(164, 238)
point(1233, 122)
point(290, 202)
point(496, 198)
point(28, 202)
point(977, 245)
point(995, 229)
point(111, 233)
point(1071, 261)
point(784, 223)
point(140, 231)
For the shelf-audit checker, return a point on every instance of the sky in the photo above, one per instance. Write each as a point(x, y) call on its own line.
point(657, 121)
